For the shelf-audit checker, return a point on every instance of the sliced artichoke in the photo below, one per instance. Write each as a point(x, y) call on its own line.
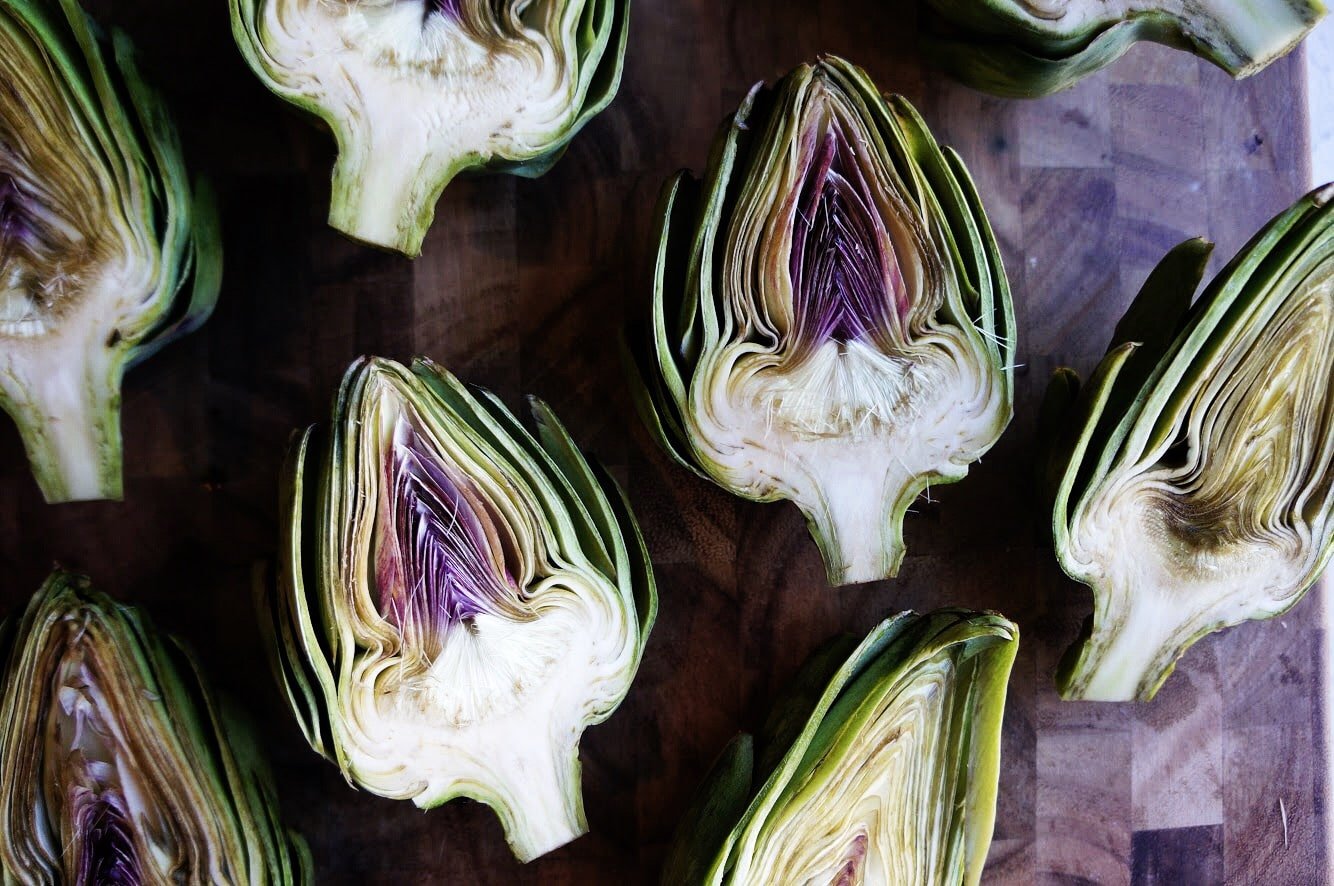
point(1029, 48)
point(418, 91)
point(458, 600)
point(1192, 475)
point(831, 323)
point(105, 254)
point(118, 765)
point(881, 766)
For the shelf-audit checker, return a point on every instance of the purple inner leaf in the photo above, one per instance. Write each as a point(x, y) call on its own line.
point(451, 8)
point(847, 285)
point(16, 228)
point(855, 862)
point(434, 563)
point(108, 857)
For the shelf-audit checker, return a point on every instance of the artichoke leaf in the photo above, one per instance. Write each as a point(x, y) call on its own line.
point(123, 768)
point(107, 252)
point(830, 321)
point(1031, 48)
point(1198, 492)
point(457, 599)
point(419, 91)
point(889, 777)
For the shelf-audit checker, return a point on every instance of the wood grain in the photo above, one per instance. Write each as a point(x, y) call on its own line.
point(524, 286)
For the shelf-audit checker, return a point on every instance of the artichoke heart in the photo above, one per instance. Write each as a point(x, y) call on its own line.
point(458, 599)
point(118, 765)
point(831, 323)
point(418, 91)
point(881, 765)
point(1030, 48)
point(1192, 475)
point(105, 253)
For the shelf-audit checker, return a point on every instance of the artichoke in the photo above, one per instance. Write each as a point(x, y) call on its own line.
point(831, 323)
point(457, 599)
point(880, 767)
point(1030, 48)
point(106, 255)
point(418, 91)
point(1192, 475)
point(118, 765)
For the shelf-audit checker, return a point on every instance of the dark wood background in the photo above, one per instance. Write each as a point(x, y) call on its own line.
point(523, 287)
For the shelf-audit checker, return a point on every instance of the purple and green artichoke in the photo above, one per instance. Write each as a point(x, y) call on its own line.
point(457, 600)
point(831, 323)
point(118, 764)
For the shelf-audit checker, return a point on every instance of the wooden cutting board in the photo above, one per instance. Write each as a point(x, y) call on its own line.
point(523, 288)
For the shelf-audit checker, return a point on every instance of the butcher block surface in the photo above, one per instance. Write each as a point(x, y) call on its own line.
point(523, 287)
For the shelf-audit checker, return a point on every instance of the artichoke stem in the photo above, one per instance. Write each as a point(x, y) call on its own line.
point(1246, 36)
point(1129, 653)
point(380, 199)
point(70, 425)
point(545, 808)
point(854, 524)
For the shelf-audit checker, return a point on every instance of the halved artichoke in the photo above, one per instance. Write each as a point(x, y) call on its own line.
point(457, 599)
point(1030, 48)
point(881, 766)
point(1192, 475)
point(105, 254)
point(118, 765)
point(831, 323)
point(417, 91)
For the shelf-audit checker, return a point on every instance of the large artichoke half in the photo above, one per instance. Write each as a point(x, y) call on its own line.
point(1193, 473)
point(105, 253)
point(881, 766)
point(458, 599)
point(1029, 48)
point(117, 764)
point(831, 323)
point(418, 91)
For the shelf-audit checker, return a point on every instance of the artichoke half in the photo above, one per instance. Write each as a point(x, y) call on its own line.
point(831, 323)
point(418, 91)
point(106, 254)
point(1192, 475)
point(1030, 48)
point(118, 765)
point(458, 600)
point(881, 766)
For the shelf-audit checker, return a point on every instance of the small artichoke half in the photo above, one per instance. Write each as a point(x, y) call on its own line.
point(1030, 48)
point(118, 765)
point(106, 252)
point(831, 323)
point(1193, 474)
point(457, 599)
point(418, 91)
point(881, 766)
